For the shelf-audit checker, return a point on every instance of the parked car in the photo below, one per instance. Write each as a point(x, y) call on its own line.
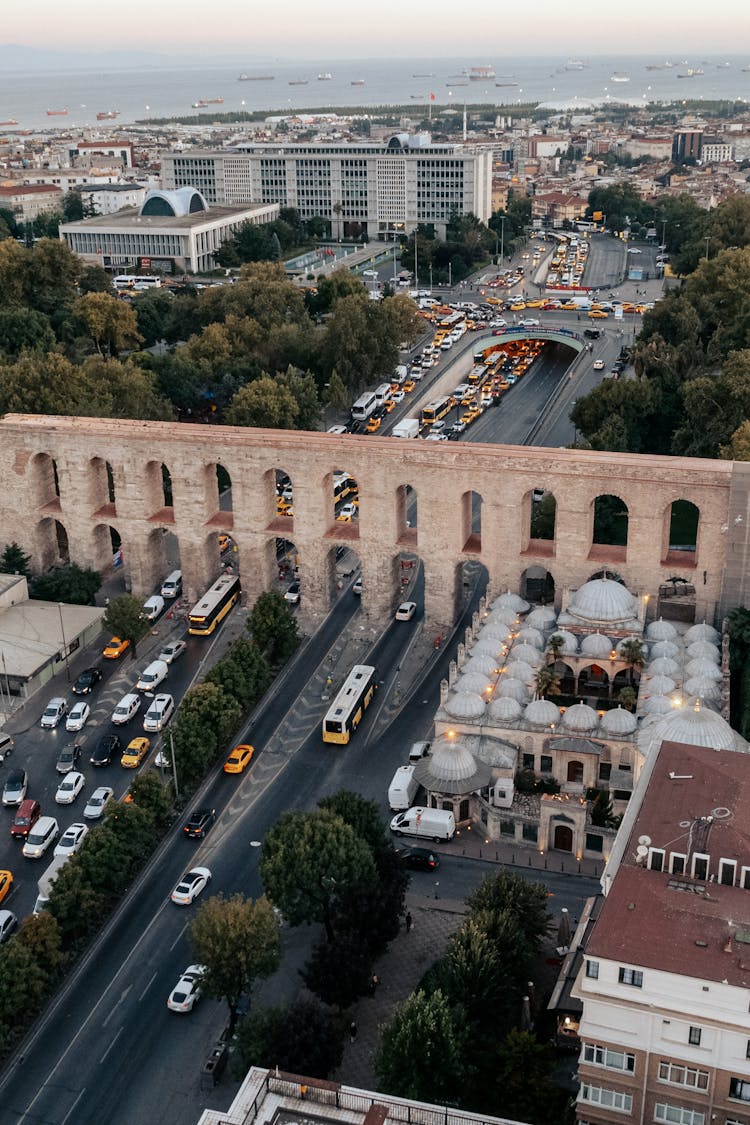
point(98, 802)
point(14, 790)
point(292, 595)
point(53, 713)
point(186, 993)
point(87, 681)
point(418, 859)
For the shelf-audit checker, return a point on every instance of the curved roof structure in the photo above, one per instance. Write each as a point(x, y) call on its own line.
point(665, 648)
point(531, 636)
point(485, 665)
point(505, 709)
point(465, 705)
point(509, 600)
point(661, 631)
point(693, 725)
point(452, 768)
point(472, 681)
point(541, 618)
point(173, 204)
point(702, 632)
point(529, 654)
point(602, 601)
point(580, 717)
point(703, 667)
point(704, 649)
point(542, 713)
point(512, 688)
point(570, 642)
point(596, 644)
point(520, 670)
point(618, 721)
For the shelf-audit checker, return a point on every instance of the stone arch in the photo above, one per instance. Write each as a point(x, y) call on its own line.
point(278, 495)
point(217, 496)
point(612, 575)
point(342, 492)
point(609, 528)
point(566, 674)
point(562, 839)
point(51, 547)
point(574, 773)
point(45, 482)
point(471, 521)
point(537, 585)
point(594, 679)
point(102, 488)
point(539, 507)
point(107, 549)
point(342, 565)
point(159, 500)
point(407, 516)
point(406, 576)
point(680, 534)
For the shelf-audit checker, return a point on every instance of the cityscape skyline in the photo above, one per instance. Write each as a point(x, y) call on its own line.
point(326, 30)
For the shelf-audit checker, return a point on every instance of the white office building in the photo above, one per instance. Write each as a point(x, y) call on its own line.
point(377, 190)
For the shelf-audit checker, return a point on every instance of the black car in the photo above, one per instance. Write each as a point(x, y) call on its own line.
point(199, 823)
point(107, 747)
point(68, 758)
point(592, 333)
point(418, 859)
point(87, 681)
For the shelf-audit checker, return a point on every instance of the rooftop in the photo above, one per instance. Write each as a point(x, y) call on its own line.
point(692, 924)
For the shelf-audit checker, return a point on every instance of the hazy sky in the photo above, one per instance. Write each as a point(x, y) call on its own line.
point(484, 29)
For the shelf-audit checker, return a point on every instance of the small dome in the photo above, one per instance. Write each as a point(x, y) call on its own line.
point(703, 667)
point(451, 760)
point(693, 726)
point(505, 709)
point(702, 632)
point(472, 681)
point(520, 670)
point(487, 646)
point(485, 665)
point(493, 628)
point(542, 617)
point(703, 688)
point(662, 666)
point(503, 616)
point(618, 721)
point(527, 653)
point(661, 631)
point(509, 600)
point(511, 688)
point(465, 705)
point(660, 685)
point(580, 717)
point(596, 644)
point(603, 600)
point(542, 713)
point(570, 641)
point(665, 648)
point(657, 705)
point(704, 649)
point(531, 637)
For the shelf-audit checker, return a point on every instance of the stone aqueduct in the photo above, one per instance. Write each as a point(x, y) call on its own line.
point(71, 480)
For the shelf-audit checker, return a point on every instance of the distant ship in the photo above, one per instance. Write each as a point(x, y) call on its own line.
point(480, 73)
point(325, 77)
point(207, 101)
point(692, 72)
point(298, 81)
point(256, 77)
point(10, 121)
point(357, 82)
point(57, 113)
point(457, 82)
point(423, 75)
point(745, 69)
point(723, 65)
point(575, 64)
point(107, 114)
point(619, 77)
point(506, 83)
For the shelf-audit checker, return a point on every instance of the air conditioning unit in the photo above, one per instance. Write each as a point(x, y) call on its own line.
point(502, 793)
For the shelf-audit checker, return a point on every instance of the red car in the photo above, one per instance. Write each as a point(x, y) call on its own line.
point(28, 814)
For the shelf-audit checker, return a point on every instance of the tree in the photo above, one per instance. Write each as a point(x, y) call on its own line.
point(23, 988)
point(238, 940)
point(205, 720)
point(473, 974)
point(714, 408)
point(265, 402)
point(738, 448)
point(50, 275)
point(111, 323)
point(123, 618)
point(71, 583)
point(94, 279)
point(362, 815)
point(546, 681)
point(422, 1052)
point(338, 973)
point(522, 1076)
point(627, 697)
point(337, 396)
point(40, 933)
point(631, 651)
point(308, 860)
point(23, 329)
point(14, 560)
point(243, 674)
point(274, 628)
point(72, 207)
point(301, 1038)
point(157, 799)
point(526, 901)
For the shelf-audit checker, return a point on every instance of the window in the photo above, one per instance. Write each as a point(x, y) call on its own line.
point(740, 1089)
point(745, 879)
point(700, 866)
point(694, 1036)
point(605, 771)
point(680, 1075)
point(614, 1099)
point(676, 863)
point(592, 970)
point(656, 859)
point(605, 1056)
point(677, 1115)
point(528, 761)
point(545, 763)
point(594, 842)
point(727, 869)
point(633, 977)
point(530, 832)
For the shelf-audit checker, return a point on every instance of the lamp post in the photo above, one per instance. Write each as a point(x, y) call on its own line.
point(65, 647)
point(663, 234)
point(502, 238)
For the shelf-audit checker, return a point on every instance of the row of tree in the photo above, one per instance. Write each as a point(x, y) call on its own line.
point(71, 583)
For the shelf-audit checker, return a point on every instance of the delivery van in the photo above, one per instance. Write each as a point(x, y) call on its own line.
point(418, 750)
point(171, 587)
point(403, 788)
point(152, 676)
point(434, 824)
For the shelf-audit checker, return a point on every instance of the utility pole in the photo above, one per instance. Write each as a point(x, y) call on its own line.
point(416, 268)
point(502, 238)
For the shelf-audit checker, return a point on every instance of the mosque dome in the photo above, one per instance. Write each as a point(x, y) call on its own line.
point(602, 600)
point(529, 654)
point(662, 666)
point(485, 665)
point(487, 646)
point(618, 721)
point(661, 631)
point(596, 644)
point(509, 600)
point(541, 618)
point(451, 768)
point(465, 705)
point(472, 681)
point(580, 717)
point(703, 688)
point(542, 713)
point(520, 670)
point(505, 709)
point(702, 632)
point(657, 705)
point(665, 648)
point(704, 649)
point(694, 726)
point(511, 688)
point(703, 667)
point(503, 615)
point(660, 685)
point(570, 642)
point(531, 636)
point(496, 628)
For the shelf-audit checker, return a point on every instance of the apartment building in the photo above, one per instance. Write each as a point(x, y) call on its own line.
point(664, 978)
point(379, 190)
point(28, 201)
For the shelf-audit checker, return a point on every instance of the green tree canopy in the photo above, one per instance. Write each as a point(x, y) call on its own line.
point(72, 583)
point(123, 619)
point(265, 402)
point(302, 1038)
point(273, 627)
point(422, 1054)
point(14, 560)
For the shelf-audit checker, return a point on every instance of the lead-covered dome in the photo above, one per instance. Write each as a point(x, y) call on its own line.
point(602, 600)
point(503, 616)
point(483, 664)
point(660, 685)
point(569, 642)
point(541, 618)
point(465, 705)
point(512, 688)
point(505, 709)
point(702, 632)
point(580, 717)
point(596, 644)
point(472, 681)
point(509, 600)
point(527, 653)
point(618, 721)
point(487, 646)
point(542, 713)
point(703, 688)
point(704, 668)
point(520, 670)
point(665, 648)
point(531, 637)
point(662, 666)
point(694, 726)
point(452, 768)
point(661, 630)
point(657, 705)
point(705, 649)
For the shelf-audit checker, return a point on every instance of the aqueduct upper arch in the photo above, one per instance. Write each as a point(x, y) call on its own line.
point(442, 478)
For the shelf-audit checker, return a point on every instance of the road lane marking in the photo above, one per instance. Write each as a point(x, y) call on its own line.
point(174, 943)
point(75, 1103)
point(123, 995)
point(109, 1048)
point(153, 978)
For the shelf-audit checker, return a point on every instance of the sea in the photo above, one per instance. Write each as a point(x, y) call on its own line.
point(432, 85)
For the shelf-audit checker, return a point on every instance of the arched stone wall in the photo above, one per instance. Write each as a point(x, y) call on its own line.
point(442, 478)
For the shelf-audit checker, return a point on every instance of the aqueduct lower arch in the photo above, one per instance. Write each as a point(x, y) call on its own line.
point(442, 477)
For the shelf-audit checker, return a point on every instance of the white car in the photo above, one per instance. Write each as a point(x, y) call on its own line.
point(186, 992)
point(53, 712)
point(78, 716)
point(71, 839)
point(8, 923)
point(44, 833)
point(398, 396)
point(436, 437)
point(634, 250)
point(406, 611)
point(159, 713)
point(98, 802)
point(172, 651)
point(69, 788)
point(598, 365)
point(128, 706)
point(349, 511)
point(190, 885)
point(152, 607)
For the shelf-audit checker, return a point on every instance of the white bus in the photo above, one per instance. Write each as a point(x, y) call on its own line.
point(136, 281)
point(364, 406)
point(345, 713)
point(214, 605)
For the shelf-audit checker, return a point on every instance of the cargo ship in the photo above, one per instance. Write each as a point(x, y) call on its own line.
point(107, 114)
point(481, 73)
point(256, 78)
point(202, 102)
point(57, 113)
point(10, 121)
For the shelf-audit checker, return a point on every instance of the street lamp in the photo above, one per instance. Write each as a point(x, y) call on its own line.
point(663, 234)
point(502, 238)
point(65, 647)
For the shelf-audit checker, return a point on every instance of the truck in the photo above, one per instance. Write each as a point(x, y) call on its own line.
point(434, 824)
point(45, 883)
point(401, 374)
point(403, 788)
point(409, 428)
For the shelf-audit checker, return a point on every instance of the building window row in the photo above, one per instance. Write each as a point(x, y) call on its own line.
point(612, 1099)
point(680, 1075)
point(606, 1056)
point(739, 1088)
point(678, 1115)
point(633, 977)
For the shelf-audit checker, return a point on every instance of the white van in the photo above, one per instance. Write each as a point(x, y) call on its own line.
point(418, 750)
point(152, 676)
point(434, 824)
point(403, 788)
point(171, 587)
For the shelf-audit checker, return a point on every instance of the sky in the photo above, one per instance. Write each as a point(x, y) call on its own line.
point(408, 28)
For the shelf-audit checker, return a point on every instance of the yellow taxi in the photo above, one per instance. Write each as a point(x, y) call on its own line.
point(373, 425)
point(470, 415)
point(535, 304)
point(134, 753)
point(518, 306)
point(570, 306)
point(282, 505)
point(239, 759)
point(225, 542)
point(408, 386)
point(389, 405)
point(6, 884)
point(494, 301)
point(115, 647)
point(598, 314)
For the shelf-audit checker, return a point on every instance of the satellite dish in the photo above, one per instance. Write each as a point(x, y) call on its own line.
point(640, 853)
point(644, 840)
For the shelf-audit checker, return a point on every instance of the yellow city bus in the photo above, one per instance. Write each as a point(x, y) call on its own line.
point(214, 605)
point(437, 409)
point(345, 713)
